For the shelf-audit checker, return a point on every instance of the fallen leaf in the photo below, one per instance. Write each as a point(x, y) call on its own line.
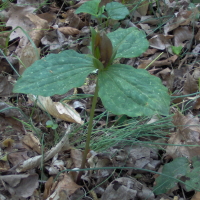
point(168, 61)
point(188, 133)
point(190, 86)
point(57, 109)
point(64, 188)
point(181, 35)
point(48, 185)
point(22, 185)
point(69, 30)
point(160, 41)
point(33, 142)
point(127, 188)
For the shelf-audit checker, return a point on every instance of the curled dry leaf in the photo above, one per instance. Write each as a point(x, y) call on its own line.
point(57, 109)
point(40, 26)
point(69, 30)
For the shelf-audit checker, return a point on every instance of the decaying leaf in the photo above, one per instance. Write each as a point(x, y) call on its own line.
point(127, 188)
point(34, 162)
point(188, 133)
point(183, 17)
point(182, 34)
point(168, 61)
point(160, 41)
point(48, 185)
point(22, 185)
point(57, 109)
point(33, 142)
point(73, 20)
point(190, 85)
point(64, 188)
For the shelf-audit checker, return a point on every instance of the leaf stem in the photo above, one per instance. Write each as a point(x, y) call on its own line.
point(87, 144)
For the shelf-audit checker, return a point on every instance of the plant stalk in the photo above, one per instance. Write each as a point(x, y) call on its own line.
point(90, 125)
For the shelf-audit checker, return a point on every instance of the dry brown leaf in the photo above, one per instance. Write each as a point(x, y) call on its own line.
point(188, 133)
point(149, 52)
point(6, 87)
point(76, 156)
point(183, 17)
point(57, 109)
point(33, 142)
point(48, 185)
point(64, 188)
point(69, 30)
point(160, 41)
point(143, 8)
point(167, 76)
point(28, 56)
point(190, 86)
point(127, 188)
point(197, 104)
point(197, 36)
point(73, 20)
point(22, 185)
point(182, 34)
point(196, 50)
point(144, 63)
point(40, 26)
point(196, 196)
point(50, 17)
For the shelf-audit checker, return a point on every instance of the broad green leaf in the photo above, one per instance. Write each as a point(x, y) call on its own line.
point(133, 92)
point(193, 175)
point(173, 170)
point(129, 42)
point(116, 10)
point(90, 7)
point(55, 74)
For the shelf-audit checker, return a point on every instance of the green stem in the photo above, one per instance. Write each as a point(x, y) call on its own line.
point(87, 144)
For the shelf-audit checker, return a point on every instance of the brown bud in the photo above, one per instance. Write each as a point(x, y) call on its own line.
point(106, 49)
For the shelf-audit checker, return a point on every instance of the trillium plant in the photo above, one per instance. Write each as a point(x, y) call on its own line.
point(123, 89)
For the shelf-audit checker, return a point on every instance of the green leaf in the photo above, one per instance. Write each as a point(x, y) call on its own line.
point(55, 74)
point(116, 10)
point(129, 42)
point(90, 7)
point(172, 171)
point(176, 50)
point(133, 92)
point(193, 176)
